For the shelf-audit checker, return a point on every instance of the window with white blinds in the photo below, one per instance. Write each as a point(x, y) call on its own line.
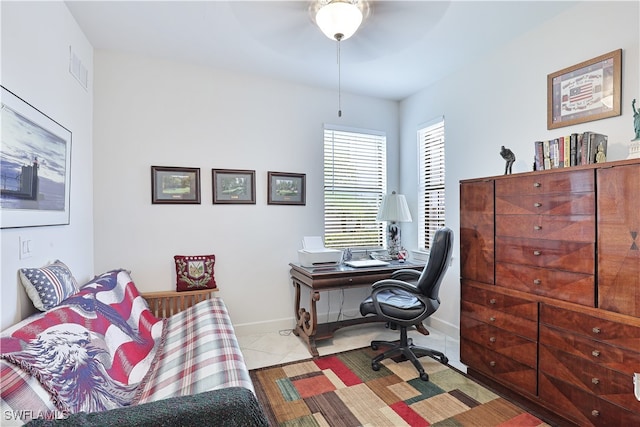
point(355, 179)
point(430, 181)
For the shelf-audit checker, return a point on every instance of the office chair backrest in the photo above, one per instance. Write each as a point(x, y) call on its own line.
point(439, 260)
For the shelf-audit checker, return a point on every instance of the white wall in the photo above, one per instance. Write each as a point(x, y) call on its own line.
point(152, 112)
point(501, 100)
point(35, 61)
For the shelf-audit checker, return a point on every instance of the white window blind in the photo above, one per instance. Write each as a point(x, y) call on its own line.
point(355, 177)
point(431, 181)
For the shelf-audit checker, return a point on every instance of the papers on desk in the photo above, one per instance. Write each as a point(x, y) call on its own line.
point(366, 263)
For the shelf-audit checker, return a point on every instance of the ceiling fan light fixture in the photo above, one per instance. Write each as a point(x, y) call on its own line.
point(339, 19)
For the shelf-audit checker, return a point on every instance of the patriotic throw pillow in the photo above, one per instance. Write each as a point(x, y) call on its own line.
point(48, 286)
point(195, 272)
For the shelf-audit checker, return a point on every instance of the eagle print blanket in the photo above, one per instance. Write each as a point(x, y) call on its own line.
point(94, 350)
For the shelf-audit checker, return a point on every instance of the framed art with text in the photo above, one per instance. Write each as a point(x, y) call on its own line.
point(286, 188)
point(234, 186)
point(35, 165)
point(585, 92)
point(175, 185)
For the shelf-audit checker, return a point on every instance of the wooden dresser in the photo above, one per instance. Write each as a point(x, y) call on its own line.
point(550, 288)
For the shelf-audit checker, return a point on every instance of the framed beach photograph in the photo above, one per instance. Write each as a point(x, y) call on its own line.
point(175, 185)
point(35, 165)
point(585, 92)
point(231, 186)
point(286, 188)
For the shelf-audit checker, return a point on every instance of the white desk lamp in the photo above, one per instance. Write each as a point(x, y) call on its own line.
point(394, 209)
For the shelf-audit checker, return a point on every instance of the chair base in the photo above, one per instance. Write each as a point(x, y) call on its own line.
point(411, 352)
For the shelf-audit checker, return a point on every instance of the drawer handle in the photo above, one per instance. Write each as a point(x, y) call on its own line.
point(492, 363)
point(596, 330)
point(595, 380)
point(537, 227)
point(492, 301)
point(595, 353)
point(492, 339)
point(537, 253)
point(537, 204)
point(492, 319)
point(537, 184)
point(537, 281)
point(595, 413)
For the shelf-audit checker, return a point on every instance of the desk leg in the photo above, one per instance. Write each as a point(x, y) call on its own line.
point(307, 321)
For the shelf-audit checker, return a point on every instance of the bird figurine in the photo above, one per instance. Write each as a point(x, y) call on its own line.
point(509, 157)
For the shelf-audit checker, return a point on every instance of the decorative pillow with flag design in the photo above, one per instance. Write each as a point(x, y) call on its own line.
point(195, 272)
point(48, 286)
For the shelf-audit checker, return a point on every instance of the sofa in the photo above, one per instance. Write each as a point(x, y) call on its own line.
point(108, 355)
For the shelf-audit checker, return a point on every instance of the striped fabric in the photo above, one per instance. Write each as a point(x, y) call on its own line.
point(200, 353)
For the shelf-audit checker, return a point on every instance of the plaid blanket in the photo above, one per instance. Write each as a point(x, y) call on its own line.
point(201, 353)
point(90, 353)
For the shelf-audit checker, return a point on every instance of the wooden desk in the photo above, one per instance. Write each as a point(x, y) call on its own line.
point(328, 278)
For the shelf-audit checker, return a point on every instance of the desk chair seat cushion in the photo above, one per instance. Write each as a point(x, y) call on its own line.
point(397, 304)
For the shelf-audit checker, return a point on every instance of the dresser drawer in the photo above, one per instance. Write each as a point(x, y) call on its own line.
point(608, 384)
point(547, 204)
point(509, 322)
point(591, 350)
point(578, 288)
point(560, 182)
point(499, 367)
point(584, 408)
point(500, 341)
point(617, 334)
point(570, 228)
point(496, 300)
point(578, 257)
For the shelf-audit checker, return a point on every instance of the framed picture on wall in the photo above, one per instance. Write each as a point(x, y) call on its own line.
point(286, 188)
point(234, 186)
point(585, 92)
point(35, 160)
point(175, 185)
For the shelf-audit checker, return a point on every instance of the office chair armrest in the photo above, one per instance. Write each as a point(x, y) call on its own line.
point(391, 284)
point(406, 274)
point(386, 284)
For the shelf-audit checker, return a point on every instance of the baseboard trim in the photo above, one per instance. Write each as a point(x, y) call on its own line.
point(444, 327)
point(288, 323)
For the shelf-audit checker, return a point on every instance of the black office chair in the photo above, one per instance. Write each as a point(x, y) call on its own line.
point(409, 297)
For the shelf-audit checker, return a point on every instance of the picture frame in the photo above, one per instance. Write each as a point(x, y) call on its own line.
point(286, 188)
point(35, 160)
point(234, 186)
point(585, 92)
point(172, 185)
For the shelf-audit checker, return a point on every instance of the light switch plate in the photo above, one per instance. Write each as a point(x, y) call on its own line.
point(26, 247)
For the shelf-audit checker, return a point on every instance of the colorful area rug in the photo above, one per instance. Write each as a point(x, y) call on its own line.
point(343, 390)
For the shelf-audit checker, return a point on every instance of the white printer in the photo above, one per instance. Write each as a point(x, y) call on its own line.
point(314, 254)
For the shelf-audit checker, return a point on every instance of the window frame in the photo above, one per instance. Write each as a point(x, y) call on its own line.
point(357, 226)
point(430, 217)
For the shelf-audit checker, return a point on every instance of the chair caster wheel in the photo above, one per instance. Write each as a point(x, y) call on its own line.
point(424, 376)
point(375, 366)
point(374, 347)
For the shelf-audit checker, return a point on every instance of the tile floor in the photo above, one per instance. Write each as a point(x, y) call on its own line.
point(278, 347)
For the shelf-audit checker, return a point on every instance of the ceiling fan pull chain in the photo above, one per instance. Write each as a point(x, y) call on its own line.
point(338, 38)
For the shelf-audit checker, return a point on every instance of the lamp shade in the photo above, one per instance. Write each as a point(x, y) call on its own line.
point(394, 208)
point(339, 19)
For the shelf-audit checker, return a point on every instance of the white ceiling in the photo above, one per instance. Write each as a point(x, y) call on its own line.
point(402, 47)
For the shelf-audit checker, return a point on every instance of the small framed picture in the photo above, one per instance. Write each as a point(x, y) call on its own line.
point(232, 186)
point(585, 92)
point(174, 185)
point(286, 188)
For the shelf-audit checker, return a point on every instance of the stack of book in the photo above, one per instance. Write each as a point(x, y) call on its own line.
point(571, 150)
